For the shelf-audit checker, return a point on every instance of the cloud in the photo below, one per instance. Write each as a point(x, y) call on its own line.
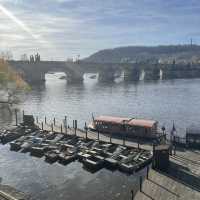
point(62, 28)
point(17, 21)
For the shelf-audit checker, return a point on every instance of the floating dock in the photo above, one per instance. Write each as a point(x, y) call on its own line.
point(10, 193)
point(68, 146)
point(181, 181)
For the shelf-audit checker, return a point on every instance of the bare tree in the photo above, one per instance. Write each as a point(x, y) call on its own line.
point(6, 55)
point(24, 57)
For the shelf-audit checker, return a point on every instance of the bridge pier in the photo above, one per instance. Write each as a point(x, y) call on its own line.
point(132, 74)
point(106, 75)
point(34, 78)
point(74, 79)
point(178, 74)
point(177, 71)
point(152, 74)
point(74, 73)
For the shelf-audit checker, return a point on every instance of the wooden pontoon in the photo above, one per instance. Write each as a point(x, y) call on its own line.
point(95, 162)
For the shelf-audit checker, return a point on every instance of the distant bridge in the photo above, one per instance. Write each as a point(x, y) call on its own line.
point(35, 72)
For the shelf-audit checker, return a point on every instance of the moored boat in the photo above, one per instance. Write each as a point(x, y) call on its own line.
point(51, 156)
point(66, 158)
point(26, 146)
point(37, 151)
point(93, 76)
point(128, 167)
point(83, 156)
point(111, 163)
point(131, 127)
point(15, 145)
point(94, 162)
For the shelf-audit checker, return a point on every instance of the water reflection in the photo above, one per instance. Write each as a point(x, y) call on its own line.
point(45, 181)
point(164, 101)
point(6, 116)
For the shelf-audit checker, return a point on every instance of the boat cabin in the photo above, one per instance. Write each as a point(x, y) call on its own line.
point(130, 127)
point(193, 136)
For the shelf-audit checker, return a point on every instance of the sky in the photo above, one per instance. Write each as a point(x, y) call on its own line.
point(59, 29)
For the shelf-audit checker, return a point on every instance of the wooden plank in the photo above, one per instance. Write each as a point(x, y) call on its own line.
point(179, 184)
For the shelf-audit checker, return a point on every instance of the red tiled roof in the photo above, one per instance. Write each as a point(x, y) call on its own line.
point(109, 119)
point(142, 122)
point(130, 121)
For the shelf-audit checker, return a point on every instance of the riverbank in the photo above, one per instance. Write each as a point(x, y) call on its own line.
point(182, 181)
point(9, 193)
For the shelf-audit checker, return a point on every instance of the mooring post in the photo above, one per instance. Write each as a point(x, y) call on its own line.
point(132, 195)
point(98, 135)
point(52, 127)
point(66, 124)
point(54, 121)
point(61, 128)
point(153, 160)
point(86, 130)
point(124, 138)
point(138, 144)
point(45, 120)
point(147, 172)
point(16, 120)
point(140, 183)
point(110, 137)
point(171, 149)
point(42, 126)
point(174, 149)
point(23, 116)
point(75, 126)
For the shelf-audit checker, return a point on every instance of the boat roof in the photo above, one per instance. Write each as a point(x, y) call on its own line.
point(130, 121)
point(143, 122)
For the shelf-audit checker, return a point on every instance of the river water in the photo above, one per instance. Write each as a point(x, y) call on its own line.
point(165, 101)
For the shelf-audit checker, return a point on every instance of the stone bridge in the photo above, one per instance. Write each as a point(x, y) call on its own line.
point(35, 72)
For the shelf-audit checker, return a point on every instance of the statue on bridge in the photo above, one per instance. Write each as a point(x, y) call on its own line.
point(35, 59)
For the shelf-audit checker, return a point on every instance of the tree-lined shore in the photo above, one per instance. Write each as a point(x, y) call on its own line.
point(11, 83)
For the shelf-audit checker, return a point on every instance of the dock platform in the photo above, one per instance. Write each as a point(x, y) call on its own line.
point(182, 181)
point(94, 135)
point(9, 193)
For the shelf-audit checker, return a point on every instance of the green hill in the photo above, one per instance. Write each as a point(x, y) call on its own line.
point(180, 53)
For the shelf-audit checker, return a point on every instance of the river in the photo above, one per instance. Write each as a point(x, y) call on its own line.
point(165, 101)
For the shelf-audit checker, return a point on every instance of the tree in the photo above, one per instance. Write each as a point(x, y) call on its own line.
point(24, 57)
point(6, 55)
point(10, 82)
